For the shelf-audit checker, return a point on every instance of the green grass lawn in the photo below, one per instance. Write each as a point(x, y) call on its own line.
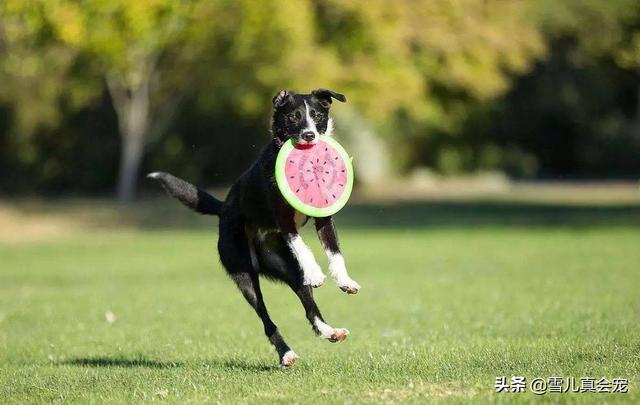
point(453, 295)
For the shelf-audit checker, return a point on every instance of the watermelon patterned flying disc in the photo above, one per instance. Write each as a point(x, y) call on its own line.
point(315, 179)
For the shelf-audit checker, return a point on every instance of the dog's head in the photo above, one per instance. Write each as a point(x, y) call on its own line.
point(303, 117)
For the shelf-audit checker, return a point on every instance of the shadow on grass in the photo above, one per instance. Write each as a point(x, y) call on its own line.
point(244, 366)
point(142, 362)
point(119, 362)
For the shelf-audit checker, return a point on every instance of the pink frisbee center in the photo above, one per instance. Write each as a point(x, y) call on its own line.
point(317, 175)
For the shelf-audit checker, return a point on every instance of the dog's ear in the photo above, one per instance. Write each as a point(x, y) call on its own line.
point(282, 98)
point(326, 95)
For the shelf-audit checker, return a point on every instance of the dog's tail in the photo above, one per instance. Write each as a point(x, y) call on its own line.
point(188, 194)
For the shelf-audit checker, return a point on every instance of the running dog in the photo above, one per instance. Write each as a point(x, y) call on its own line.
point(258, 233)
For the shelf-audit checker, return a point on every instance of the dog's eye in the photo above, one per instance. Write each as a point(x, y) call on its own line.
point(294, 117)
point(316, 116)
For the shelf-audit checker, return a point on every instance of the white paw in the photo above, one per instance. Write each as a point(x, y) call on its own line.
point(339, 273)
point(313, 275)
point(338, 335)
point(288, 359)
point(327, 332)
point(348, 285)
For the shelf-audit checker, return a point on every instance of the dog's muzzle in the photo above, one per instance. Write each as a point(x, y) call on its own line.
point(308, 136)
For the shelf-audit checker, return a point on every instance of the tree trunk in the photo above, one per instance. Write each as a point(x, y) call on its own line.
point(133, 110)
point(131, 151)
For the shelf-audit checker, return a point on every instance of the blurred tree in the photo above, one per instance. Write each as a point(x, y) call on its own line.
point(258, 48)
point(421, 62)
point(435, 79)
point(34, 72)
point(574, 114)
point(418, 67)
point(142, 49)
point(628, 56)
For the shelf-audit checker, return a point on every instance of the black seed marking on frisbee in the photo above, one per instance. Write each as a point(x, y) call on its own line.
point(326, 201)
point(327, 172)
point(317, 160)
point(341, 185)
point(342, 170)
point(310, 180)
point(323, 181)
point(311, 200)
point(307, 171)
point(333, 195)
point(336, 158)
point(297, 190)
point(291, 177)
point(291, 161)
point(326, 149)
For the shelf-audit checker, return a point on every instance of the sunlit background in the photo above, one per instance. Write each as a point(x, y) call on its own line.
point(95, 93)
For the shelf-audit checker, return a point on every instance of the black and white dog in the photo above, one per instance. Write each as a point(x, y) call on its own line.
point(259, 230)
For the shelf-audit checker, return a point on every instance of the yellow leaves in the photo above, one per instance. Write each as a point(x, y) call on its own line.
point(17, 20)
point(387, 55)
point(120, 34)
point(629, 56)
point(68, 22)
point(474, 46)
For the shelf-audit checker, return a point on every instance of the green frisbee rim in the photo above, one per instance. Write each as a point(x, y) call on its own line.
point(293, 200)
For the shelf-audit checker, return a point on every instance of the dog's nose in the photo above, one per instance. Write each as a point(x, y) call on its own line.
point(308, 136)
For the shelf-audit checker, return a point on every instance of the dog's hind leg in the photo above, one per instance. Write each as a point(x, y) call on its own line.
point(249, 285)
point(236, 257)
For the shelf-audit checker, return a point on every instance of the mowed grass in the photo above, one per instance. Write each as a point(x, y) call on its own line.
point(453, 295)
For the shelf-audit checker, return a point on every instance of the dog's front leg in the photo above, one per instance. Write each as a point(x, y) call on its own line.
point(329, 239)
point(311, 272)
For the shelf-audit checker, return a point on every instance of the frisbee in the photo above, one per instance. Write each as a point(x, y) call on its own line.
point(315, 179)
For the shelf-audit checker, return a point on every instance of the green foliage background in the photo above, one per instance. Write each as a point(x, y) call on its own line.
point(535, 89)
